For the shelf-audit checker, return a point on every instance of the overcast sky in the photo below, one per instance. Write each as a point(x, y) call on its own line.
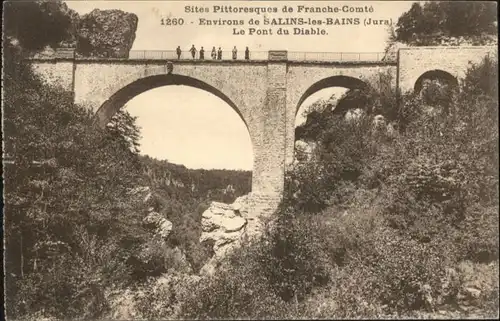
point(189, 126)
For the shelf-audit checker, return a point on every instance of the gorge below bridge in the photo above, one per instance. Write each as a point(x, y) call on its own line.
point(266, 90)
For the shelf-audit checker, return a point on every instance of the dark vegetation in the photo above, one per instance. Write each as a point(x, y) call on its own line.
point(428, 24)
point(377, 223)
point(36, 24)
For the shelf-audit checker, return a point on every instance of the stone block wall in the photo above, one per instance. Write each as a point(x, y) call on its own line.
point(415, 61)
point(56, 72)
point(269, 149)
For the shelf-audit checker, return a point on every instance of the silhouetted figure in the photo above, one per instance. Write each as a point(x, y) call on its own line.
point(235, 52)
point(214, 53)
point(219, 54)
point(202, 53)
point(247, 54)
point(193, 51)
point(179, 51)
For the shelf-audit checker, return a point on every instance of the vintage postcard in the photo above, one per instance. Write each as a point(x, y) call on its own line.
point(250, 159)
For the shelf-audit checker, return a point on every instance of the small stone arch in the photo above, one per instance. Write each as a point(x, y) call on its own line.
point(435, 74)
point(334, 81)
point(119, 98)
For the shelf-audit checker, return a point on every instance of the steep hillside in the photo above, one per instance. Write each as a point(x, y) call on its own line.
point(181, 195)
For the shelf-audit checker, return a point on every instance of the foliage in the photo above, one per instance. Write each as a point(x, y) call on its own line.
point(422, 24)
point(68, 227)
point(36, 24)
point(122, 129)
point(182, 195)
point(238, 291)
point(160, 298)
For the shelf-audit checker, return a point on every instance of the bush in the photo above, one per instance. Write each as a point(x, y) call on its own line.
point(282, 267)
point(239, 290)
point(296, 262)
point(161, 298)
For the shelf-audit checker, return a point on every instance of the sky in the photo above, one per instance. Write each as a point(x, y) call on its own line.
point(192, 127)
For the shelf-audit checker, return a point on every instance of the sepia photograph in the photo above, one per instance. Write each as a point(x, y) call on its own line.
point(258, 160)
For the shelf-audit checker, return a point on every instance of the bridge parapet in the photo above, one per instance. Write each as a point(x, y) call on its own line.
point(272, 55)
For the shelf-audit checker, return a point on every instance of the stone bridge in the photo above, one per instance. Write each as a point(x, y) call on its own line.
point(266, 93)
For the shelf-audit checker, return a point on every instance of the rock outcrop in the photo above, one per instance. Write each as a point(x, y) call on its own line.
point(226, 226)
point(304, 151)
point(162, 226)
point(106, 33)
point(159, 224)
point(143, 192)
point(391, 52)
point(354, 114)
point(100, 33)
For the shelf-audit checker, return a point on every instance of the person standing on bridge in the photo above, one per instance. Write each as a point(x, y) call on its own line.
point(179, 51)
point(202, 53)
point(247, 54)
point(214, 54)
point(193, 51)
point(219, 54)
point(235, 52)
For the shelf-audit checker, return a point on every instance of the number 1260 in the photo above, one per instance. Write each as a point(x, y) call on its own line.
point(171, 22)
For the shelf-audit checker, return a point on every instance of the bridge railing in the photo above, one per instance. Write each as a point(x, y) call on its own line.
point(186, 55)
point(259, 55)
point(335, 56)
point(228, 55)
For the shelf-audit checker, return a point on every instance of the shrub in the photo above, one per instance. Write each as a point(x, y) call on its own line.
point(160, 298)
point(296, 262)
point(239, 290)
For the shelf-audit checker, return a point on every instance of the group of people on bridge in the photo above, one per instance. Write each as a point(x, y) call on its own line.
point(216, 54)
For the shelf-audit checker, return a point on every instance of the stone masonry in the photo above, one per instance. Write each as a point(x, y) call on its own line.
point(415, 61)
point(266, 94)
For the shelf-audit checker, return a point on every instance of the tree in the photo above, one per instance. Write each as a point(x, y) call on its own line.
point(423, 24)
point(70, 223)
point(36, 24)
point(122, 128)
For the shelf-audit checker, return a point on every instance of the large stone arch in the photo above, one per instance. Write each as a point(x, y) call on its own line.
point(435, 74)
point(121, 91)
point(104, 88)
point(131, 86)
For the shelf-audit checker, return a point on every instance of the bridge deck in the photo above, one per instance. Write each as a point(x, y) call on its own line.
point(227, 56)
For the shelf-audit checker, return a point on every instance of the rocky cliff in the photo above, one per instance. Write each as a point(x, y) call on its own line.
point(226, 226)
point(106, 33)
